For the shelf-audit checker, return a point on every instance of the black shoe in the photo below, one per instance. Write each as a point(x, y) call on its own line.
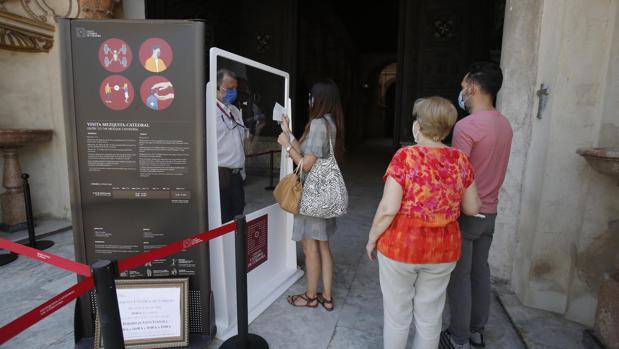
point(477, 339)
point(447, 342)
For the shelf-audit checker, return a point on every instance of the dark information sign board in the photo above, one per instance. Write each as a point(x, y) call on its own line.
point(136, 148)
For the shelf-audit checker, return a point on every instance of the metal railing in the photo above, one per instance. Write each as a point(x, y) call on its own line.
point(271, 186)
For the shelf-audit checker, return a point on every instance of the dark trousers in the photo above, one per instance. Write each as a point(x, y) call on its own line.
point(231, 194)
point(469, 286)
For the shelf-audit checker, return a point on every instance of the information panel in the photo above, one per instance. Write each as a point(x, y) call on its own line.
point(136, 146)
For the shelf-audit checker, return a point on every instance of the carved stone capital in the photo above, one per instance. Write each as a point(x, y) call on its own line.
point(18, 33)
point(96, 9)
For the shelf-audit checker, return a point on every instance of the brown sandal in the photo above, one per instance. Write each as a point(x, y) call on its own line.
point(308, 301)
point(323, 301)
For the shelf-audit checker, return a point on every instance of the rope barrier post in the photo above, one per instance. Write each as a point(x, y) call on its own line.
point(7, 258)
point(43, 244)
point(104, 273)
point(244, 340)
point(271, 187)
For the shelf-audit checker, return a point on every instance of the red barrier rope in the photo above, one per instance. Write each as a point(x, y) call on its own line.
point(37, 314)
point(162, 252)
point(46, 257)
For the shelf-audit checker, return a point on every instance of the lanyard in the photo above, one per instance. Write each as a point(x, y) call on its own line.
point(229, 115)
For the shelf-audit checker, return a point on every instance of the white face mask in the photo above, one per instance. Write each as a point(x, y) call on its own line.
point(416, 134)
point(463, 99)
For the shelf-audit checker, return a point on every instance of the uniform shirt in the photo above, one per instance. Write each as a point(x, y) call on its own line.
point(486, 138)
point(231, 133)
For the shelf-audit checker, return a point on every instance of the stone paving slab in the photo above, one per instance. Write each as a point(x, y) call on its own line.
point(540, 329)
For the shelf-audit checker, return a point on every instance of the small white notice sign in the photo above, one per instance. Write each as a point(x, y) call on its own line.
point(152, 312)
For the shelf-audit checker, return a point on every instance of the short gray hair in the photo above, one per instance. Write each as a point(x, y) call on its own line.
point(223, 72)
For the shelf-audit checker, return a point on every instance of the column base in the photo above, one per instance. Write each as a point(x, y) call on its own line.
point(11, 228)
point(253, 342)
point(7, 258)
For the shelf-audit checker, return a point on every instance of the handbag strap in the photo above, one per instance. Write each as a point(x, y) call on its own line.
point(299, 167)
point(331, 152)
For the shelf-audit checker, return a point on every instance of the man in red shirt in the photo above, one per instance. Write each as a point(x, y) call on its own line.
point(485, 136)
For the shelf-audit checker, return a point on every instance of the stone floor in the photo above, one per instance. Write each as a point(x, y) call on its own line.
point(538, 328)
point(356, 322)
point(43, 227)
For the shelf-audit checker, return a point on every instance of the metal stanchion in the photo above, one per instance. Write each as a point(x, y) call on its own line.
point(244, 340)
point(104, 273)
point(7, 258)
point(271, 187)
point(40, 245)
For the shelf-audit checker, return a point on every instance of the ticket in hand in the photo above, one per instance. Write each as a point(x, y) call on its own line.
point(278, 112)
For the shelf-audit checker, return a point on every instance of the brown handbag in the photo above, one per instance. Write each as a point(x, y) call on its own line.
point(288, 191)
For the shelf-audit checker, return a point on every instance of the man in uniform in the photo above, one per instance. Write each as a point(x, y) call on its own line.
point(231, 134)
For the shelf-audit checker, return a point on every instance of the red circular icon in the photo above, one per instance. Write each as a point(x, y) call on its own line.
point(115, 55)
point(155, 55)
point(116, 92)
point(157, 93)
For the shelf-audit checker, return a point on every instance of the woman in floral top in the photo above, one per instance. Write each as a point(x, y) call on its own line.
point(416, 229)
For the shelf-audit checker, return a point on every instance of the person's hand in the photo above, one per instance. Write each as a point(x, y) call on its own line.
point(283, 139)
point(285, 124)
point(369, 248)
point(164, 97)
point(260, 124)
point(162, 85)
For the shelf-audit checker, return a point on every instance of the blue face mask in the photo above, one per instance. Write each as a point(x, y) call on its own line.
point(461, 101)
point(230, 96)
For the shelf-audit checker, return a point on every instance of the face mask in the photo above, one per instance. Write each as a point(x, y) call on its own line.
point(230, 96)
point(461, 101)
point(416, 134)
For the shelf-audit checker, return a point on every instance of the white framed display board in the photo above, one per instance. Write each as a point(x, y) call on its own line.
point(278, 270)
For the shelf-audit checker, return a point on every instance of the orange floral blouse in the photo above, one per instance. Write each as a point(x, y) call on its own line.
point(425, 230)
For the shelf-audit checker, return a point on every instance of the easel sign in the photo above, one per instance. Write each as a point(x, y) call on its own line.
point(257, 97)
point(154, 313)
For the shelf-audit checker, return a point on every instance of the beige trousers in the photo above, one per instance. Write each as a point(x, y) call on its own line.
point(409, 289)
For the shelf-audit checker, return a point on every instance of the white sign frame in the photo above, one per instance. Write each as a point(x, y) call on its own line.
point(176, 312)
point(271, 279)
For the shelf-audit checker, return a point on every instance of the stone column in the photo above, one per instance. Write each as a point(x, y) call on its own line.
point(97, 9)
point(12, 200)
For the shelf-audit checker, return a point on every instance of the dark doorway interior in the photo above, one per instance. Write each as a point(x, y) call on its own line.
point(350, 46)
point(389, 111)
point(430, 42)
point(438, 40)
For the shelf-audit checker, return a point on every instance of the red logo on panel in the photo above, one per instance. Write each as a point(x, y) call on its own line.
point(116, 92)
point(115, 55)
point(156, 55)
point(157, 93)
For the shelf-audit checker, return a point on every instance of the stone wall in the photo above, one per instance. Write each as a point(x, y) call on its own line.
point(554, 235)
point(595, 251)
point(515, 100)
point(31, 97)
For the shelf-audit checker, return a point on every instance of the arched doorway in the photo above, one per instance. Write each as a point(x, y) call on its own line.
point(387, 84)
